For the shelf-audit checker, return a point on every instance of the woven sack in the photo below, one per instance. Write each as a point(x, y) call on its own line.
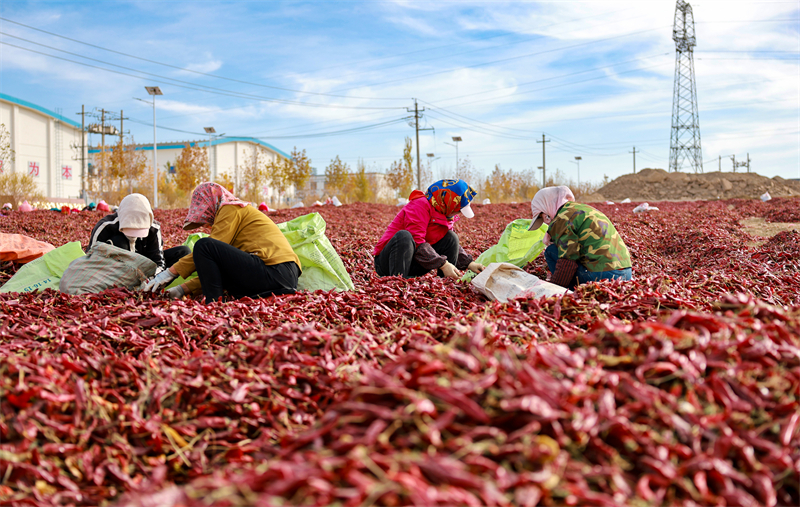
point(106, 266)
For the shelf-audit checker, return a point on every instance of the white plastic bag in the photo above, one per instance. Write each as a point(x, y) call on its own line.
point(335, 201)
point(644, 207)
point(766, 197)
point(625, 201)
point(299, 205)
point(487, 201)
point(502, 281)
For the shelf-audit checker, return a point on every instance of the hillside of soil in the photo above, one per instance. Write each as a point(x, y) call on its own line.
point(660, 185)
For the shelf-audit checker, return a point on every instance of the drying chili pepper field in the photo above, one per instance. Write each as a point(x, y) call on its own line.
point(680, 387)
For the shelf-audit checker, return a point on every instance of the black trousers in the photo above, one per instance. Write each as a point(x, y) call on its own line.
point(174, 254)
point(221, 266)
point(397, 257)
point(171, 255)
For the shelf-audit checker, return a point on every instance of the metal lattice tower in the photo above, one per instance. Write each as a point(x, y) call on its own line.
point(684, 146)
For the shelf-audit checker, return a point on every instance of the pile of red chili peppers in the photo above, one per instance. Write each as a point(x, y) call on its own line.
point(680, 387)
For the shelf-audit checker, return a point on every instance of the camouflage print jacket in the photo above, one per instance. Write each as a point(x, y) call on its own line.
point(585, 235)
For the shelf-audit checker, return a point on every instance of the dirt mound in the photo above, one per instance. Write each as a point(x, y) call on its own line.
point(660, 185)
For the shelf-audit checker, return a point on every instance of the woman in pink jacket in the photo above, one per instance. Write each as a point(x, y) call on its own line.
point(421, 237)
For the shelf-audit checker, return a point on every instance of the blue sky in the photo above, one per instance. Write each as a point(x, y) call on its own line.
point(337, 77)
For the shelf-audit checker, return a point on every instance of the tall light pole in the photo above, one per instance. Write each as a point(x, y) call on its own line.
point(153, 91)
point(578, 161)
point(456, 139)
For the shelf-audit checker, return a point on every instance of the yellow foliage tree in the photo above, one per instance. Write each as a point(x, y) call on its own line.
point(17, 187)
point(191, 168)
point(400, 175)
point(363, 187)
point(254, 177)
point(337, 176)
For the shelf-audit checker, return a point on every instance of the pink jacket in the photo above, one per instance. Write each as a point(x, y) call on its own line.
point(419, 218)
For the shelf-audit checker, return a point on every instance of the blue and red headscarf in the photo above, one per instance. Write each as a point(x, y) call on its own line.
point(449, 196)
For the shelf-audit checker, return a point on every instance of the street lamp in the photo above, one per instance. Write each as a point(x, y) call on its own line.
point(578, 161)
point(456, 139)
point(153, 91)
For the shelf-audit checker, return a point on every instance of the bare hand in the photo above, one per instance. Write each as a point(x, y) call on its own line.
point(450, 271)
point(475, 267)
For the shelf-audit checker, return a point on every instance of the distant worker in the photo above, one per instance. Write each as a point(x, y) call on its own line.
point(24, 207)
point(583, 245)
point(132, 227)
point(421, 237)
point(245, 255)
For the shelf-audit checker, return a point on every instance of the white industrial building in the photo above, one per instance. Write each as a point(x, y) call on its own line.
point(227, 155)
point(46, 145)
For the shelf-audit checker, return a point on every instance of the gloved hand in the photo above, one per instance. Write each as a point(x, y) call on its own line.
point(450, 271)
point(176, 292)
point(160, 281)
point(476, 267)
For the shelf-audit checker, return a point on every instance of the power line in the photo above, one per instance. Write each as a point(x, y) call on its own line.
point(207, 89)
point(179, 68)
point(509, 59)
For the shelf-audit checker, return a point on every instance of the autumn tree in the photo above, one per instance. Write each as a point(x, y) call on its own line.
point(337, 176)
point(125, 166)
point(400, 175)
point(16, 187)
point(255, 176)
point(191, 168)
point(225, 180)
point(363, 189)
point(299, 169)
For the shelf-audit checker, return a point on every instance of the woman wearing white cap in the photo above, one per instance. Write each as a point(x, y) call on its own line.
point(133, 228)
point(421, 237)
point(583, 244)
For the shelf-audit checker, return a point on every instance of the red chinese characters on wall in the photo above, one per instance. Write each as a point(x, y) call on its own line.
point(66, 172)
point(33, 169)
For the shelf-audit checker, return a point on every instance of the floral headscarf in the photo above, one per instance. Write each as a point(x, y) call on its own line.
point(206, 200)
point(449, 196)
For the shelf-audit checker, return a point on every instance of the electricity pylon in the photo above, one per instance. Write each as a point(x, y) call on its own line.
point(685, 139)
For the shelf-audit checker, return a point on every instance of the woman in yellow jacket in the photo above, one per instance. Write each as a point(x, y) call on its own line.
point(246, 254)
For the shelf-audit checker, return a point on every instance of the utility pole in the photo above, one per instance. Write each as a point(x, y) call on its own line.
point(748, 163)
point(634, 159)
point(103, 142)
point(544, 179)
point(417, 116)
point(83, 151)
point(720, 163)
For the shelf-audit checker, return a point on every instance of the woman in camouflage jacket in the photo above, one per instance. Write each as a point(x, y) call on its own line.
point(583, 245)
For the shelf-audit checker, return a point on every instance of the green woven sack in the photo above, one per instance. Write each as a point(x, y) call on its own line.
point(322, 267)
point(517, 245)
point(105, 266)
point(45, 271)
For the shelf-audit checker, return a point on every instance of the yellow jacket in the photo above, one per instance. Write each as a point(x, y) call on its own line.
point(250, 231)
